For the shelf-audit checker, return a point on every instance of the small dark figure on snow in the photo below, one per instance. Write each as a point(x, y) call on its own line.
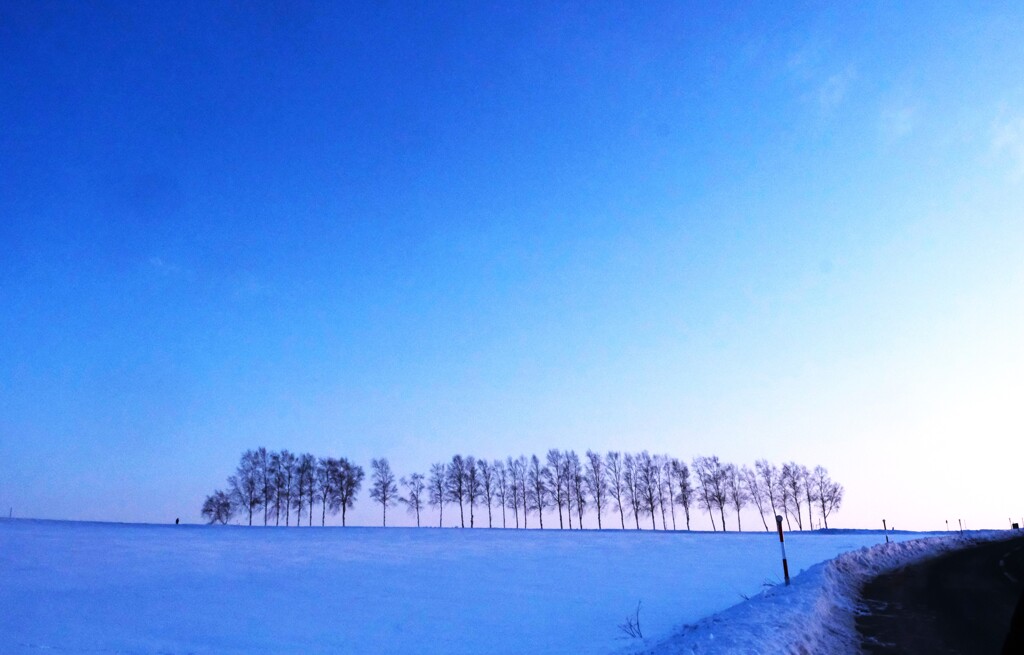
point(177, 521)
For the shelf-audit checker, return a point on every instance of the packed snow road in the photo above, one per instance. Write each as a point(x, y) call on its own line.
point(961, 602)
point(143, 589)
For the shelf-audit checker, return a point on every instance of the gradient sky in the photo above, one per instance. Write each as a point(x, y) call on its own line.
point(410, 230)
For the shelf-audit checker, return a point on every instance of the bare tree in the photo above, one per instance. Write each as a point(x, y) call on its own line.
point(660, 478)
point(415, 488)
point(718, 490)
point(757, 492)
point(681, 474)
point(705, 496)
point(768, 474)
point(792, 491)
point(806, 481)
point(245, 485)
point(487, 487)
point(524, 488)
point(382, 486)
point(631, 482)
point(646, 486)
point(555, 475)
point(305, 469)
point(456, 485)
point(829, 493)
point(266, 480)
point(597, 482)
point(616, 483)
point(276, 476)
point(473, 488)
point(578, 485)
point(538, 491)
point(438, 489)
point(218, 508)
point(349, 481)
point(327, 477)
point(735, 491)
point(311, 489)
point(516, 473)
point(286, 480)
point(501, 487)
point(667, 464)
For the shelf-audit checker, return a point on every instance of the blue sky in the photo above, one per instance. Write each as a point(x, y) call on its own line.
point(409, 231)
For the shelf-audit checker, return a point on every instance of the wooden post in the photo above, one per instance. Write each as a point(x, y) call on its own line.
point(886, 531)
point(782, 542)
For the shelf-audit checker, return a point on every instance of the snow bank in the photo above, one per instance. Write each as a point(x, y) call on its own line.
point(816, 613)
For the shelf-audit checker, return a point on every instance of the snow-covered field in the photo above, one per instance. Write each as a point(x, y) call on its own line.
point(115, 588)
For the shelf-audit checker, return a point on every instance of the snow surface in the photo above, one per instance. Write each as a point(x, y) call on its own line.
point(121, 588)
point(817, 612)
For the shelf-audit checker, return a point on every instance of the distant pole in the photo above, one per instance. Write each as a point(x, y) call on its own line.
point(782, 542)
point(947, 525)
point(961, 522)
point(886, 531)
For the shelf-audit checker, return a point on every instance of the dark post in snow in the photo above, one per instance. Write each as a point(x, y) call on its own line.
point(782, 542)
point(961, 522)
point(884, 528)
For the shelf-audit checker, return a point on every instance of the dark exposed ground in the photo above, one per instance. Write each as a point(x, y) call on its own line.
point(962, 602)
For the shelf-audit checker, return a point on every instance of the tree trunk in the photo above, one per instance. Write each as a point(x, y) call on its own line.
point(462, 514)
point(622, 517)
point(385, 514)
point(721, 508)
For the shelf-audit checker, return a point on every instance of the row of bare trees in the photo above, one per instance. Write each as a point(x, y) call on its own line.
point(638, 486)
point(278, 482)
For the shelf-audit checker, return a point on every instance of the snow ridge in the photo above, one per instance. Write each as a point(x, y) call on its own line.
point(817, 612)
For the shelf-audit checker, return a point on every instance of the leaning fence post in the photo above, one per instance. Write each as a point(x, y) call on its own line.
point(886, 530)
point(782, 542)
